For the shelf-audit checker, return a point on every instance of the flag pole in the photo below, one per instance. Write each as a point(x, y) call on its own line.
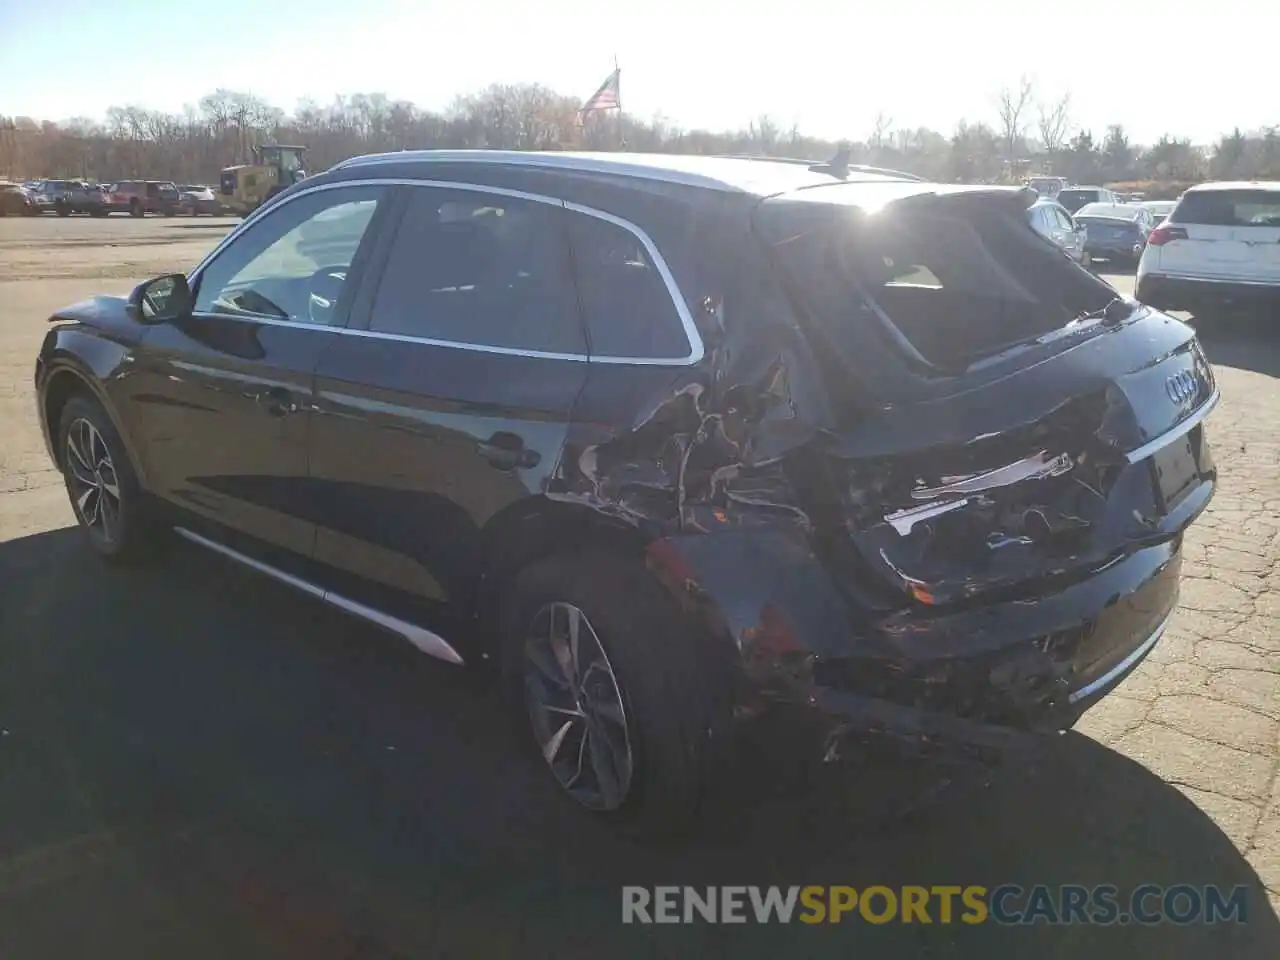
point(618, 140)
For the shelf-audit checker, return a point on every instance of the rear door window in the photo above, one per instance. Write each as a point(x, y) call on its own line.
point(630, 309)
point(1229, 208)
point(480, 270)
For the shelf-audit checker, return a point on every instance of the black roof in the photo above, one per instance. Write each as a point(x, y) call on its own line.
point(760, 176)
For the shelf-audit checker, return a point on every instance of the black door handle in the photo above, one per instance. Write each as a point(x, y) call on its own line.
point(277, 401)
point(506, 451)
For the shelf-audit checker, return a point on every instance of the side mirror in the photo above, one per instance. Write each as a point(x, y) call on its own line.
point(162, 299)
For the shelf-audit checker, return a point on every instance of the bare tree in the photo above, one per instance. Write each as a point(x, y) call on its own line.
point(880, 131)
point(1054, 123)
point(1013, 104)
point(764, 133)
point(192, 145)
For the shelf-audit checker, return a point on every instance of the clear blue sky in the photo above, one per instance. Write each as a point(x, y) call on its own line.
point(1183, 66)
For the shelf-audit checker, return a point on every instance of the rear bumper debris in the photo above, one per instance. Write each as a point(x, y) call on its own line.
point(998, 677)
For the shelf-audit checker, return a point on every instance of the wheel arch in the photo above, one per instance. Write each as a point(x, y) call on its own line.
point(746, 590)
point(68, 378)
point(540, 527)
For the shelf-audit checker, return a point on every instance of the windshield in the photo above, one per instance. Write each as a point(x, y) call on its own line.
point(956, 281)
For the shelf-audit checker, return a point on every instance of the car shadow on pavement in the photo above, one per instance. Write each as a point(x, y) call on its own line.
point(1118, 268)
point(1243, 342)
point(197, 762)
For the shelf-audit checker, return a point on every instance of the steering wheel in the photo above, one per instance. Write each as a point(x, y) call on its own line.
point(324, 288)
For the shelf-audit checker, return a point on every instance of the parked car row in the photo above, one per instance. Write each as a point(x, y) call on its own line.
point(134, 197)
point(1217, 250)
point(1114, 232)
point(1214, 249)
point(15, 201)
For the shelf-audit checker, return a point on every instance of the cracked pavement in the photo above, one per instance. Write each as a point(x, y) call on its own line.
point(198, 763)
point(1203, 711)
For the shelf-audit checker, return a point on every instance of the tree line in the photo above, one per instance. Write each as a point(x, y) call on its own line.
point(1025, 134)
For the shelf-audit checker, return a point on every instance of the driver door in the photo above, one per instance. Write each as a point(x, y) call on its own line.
point(224, 398)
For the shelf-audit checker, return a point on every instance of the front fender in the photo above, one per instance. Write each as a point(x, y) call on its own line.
point(76, 358)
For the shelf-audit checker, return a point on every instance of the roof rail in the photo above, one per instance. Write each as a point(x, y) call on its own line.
point(756, 156)
point(885, 171)
point(822, 166)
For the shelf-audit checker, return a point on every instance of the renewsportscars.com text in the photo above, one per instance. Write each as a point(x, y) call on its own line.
point(944, 904)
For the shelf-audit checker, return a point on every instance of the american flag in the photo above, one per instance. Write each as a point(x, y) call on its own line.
point(608, 97)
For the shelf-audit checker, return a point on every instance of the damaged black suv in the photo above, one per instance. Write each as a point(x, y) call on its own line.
point(676, 443)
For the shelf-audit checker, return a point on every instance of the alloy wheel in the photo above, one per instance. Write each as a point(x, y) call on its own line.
point(95, 486)
point(576, 708)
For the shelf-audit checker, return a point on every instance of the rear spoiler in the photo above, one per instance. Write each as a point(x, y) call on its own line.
point(1021, 197)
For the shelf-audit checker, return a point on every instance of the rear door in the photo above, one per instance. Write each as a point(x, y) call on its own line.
point(1230, 235)
point(449, 400)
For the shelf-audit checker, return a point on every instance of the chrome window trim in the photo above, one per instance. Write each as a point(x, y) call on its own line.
point(697, 350)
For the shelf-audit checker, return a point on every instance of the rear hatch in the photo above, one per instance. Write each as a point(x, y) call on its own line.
point(1007, 422)
point(1110, 232)
point(1222, 234)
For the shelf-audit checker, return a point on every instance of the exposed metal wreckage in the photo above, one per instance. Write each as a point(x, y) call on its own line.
point(948, 596)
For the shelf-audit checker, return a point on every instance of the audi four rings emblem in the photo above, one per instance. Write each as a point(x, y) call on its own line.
point(1181, 387)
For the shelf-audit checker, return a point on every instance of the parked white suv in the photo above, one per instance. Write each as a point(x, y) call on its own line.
point(1219, 248)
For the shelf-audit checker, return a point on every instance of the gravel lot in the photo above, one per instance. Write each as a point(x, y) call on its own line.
point(197, 763)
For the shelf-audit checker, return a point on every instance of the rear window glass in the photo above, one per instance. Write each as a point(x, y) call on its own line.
point(1113, 222)
point(958, 282)
point(1229, 208)
point(1114, 210)
point(1072, 199)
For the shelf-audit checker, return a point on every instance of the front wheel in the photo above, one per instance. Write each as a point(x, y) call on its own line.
point(104, 491)
point(614, 691)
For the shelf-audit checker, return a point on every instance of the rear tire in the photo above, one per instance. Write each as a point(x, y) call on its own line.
point(668, 729)
point(106, 498)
